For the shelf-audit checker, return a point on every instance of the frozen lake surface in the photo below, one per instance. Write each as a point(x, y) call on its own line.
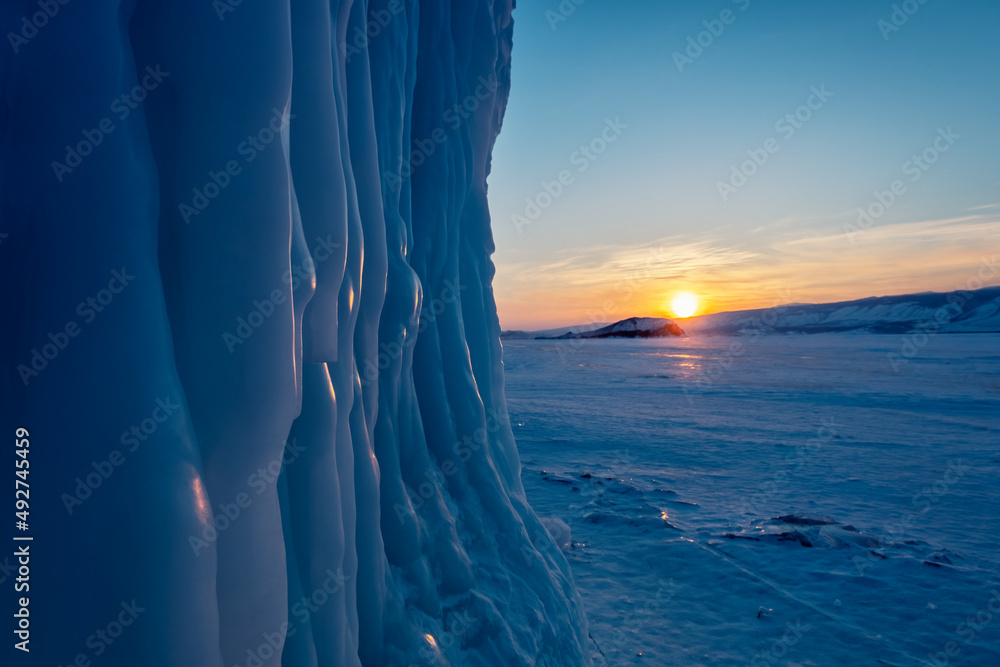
point(794, 501)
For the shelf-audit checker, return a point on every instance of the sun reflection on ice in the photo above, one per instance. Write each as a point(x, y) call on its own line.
point(200, 497)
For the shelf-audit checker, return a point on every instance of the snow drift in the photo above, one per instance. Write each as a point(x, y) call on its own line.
point(250, 327)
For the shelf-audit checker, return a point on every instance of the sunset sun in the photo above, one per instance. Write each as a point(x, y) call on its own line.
point(684, 304)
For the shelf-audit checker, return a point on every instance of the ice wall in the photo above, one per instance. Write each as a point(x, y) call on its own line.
point(248, 322)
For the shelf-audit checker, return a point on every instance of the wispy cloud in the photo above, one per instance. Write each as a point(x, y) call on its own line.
point(602, 265)
point(808, 260)
point(983, 207)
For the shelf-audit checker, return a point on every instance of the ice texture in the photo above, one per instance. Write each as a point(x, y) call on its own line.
point(791, 501)
point(250, 238)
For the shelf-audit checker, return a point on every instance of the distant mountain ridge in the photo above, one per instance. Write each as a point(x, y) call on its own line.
point(974, 311)
point(517, 334)
point(633, 327)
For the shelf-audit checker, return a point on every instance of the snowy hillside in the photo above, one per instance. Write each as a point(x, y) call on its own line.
point(517, 334)
point(633, 327)
point(976, 311)
point(952, 312)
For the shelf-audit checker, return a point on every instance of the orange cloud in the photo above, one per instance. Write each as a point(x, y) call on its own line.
point(797, 262)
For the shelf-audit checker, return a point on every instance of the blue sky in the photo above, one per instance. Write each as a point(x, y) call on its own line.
point(646, 217)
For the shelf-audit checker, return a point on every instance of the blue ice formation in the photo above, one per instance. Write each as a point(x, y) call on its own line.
point(248, 323)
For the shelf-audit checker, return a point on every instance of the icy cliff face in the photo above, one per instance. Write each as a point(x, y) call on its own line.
point(250, 328)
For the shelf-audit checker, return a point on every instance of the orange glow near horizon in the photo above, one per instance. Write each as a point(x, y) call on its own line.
point(741, 271)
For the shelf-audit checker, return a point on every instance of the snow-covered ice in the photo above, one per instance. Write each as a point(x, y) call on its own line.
point(774, 500)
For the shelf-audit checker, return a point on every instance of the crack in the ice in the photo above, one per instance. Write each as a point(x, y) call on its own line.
point(790, 596)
